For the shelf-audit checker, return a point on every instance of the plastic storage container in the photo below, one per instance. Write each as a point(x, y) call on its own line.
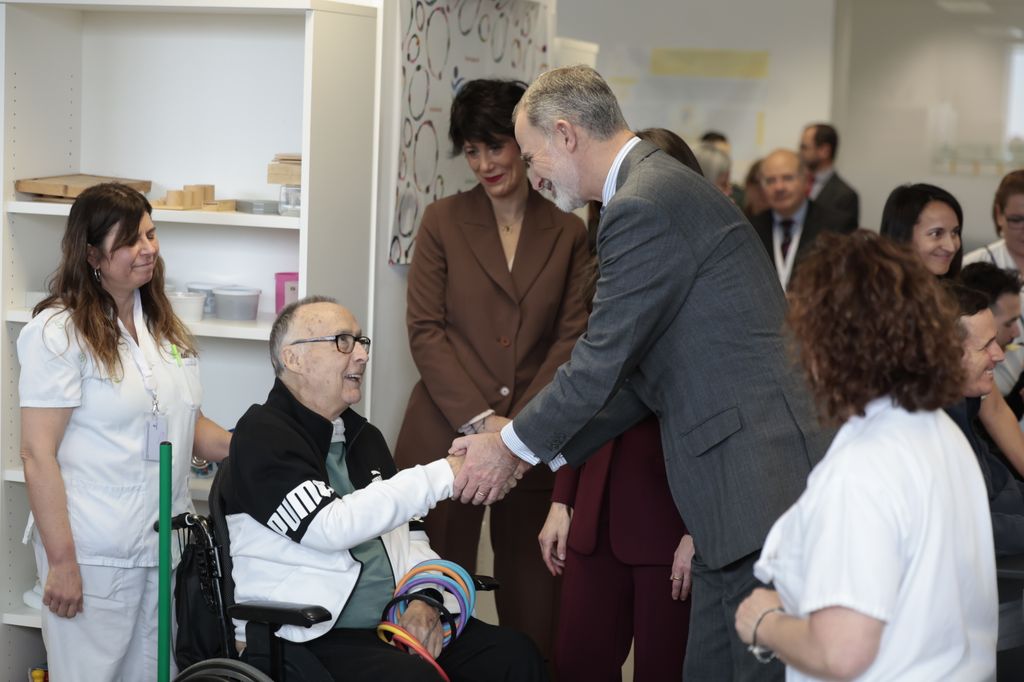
point(188, 305)
point(210, 306)
point(291, 201)
point(237, 303)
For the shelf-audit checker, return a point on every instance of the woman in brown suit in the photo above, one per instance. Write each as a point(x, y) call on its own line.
point(495, 304)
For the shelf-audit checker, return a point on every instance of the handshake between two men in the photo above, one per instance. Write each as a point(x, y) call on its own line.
point(485, 469)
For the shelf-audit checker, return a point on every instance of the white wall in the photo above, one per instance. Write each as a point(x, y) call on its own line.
point(917, 78)
point(798, 34)
point(392, 370)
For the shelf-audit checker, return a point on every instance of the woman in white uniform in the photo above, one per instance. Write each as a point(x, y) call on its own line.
point(107, 372)
point(884, 568)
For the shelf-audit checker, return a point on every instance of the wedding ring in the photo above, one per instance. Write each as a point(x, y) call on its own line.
point(676, 578)
point(481, 493)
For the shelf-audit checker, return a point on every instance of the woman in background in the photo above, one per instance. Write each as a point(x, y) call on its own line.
point(754, 201)
point(107, 373)
point(495, 304)
point(896, 513)
point(1008, 216)
point(929, 220)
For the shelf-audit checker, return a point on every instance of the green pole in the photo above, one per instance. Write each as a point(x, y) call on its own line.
point(164, 624)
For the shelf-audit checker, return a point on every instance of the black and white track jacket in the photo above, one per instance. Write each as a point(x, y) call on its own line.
point(290, 533)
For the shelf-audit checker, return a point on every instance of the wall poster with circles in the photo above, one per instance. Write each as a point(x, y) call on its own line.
point(443, 44)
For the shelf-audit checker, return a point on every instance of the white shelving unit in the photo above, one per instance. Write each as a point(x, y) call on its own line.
point(183, 92)
point(165, 216)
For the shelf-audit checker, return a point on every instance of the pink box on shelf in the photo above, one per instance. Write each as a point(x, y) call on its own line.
point(287, 289)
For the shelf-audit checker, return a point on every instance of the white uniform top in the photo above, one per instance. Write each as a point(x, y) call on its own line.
point(995, 253)
point(895, 524)
point(112, 492)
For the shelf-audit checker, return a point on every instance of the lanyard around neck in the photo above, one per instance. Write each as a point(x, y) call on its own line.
point(784, 264)
point(145, 369)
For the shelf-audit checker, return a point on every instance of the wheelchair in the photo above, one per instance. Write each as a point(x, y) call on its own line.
point(267, 658)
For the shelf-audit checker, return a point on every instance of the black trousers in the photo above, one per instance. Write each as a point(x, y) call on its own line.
point(714, 652)
point(482, 653)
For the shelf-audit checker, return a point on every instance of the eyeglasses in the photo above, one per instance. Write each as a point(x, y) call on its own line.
point(1014, 223)
point(344, 342)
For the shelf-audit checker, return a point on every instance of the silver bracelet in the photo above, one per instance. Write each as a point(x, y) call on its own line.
point(762, 653)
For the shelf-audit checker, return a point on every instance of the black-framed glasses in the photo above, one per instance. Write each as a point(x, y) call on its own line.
point(1014, 223)
point(344, 341)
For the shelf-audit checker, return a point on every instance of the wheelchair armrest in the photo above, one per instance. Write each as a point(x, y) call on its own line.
point(1010, 567)
point(280, 613)
point(485, 583)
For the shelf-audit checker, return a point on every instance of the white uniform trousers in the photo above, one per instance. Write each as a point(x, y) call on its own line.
point(114, 638)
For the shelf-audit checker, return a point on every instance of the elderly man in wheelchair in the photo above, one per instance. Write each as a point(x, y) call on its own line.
point(317, 514)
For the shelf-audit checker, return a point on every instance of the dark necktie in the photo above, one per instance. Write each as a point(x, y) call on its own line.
point(787, 235)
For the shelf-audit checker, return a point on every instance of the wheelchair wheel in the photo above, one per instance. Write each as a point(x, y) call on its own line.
point(221, 670)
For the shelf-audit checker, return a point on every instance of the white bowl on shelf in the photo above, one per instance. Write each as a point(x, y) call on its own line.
point(188, 305)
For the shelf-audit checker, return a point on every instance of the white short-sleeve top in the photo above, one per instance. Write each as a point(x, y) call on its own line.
point(112, 491)
point(895, 524)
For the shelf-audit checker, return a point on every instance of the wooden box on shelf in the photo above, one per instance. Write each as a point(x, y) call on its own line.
point(70, 186)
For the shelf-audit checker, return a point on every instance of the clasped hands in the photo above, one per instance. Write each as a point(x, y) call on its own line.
point(485, 469)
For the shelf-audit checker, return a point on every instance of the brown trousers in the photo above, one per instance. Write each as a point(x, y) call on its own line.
point(529, 595)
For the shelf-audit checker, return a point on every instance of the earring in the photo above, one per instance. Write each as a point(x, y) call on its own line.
point(96, 274)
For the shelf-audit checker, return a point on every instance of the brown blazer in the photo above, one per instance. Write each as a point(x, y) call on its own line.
point(483, 337)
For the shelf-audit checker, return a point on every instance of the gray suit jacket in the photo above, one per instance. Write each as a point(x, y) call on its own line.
point(687, 323)
point(840, 197)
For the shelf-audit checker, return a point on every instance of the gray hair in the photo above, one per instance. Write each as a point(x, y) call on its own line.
point(283, 324)
point(577, 94)
point(713, 161)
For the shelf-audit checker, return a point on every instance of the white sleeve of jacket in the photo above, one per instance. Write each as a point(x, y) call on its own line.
point(379, 508)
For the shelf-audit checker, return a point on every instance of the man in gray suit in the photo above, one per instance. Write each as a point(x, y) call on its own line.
point(687, 323)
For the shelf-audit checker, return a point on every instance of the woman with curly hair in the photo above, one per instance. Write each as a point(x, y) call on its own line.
point(896, 514)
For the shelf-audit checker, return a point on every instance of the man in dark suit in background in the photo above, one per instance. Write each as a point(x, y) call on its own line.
point(792, 221)
point(818, 146)
point(687, 324)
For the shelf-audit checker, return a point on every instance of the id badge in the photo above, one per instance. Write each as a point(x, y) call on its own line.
point(156, 433)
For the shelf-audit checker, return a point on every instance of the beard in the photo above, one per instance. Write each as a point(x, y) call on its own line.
point(566, 193)
point(568, 202)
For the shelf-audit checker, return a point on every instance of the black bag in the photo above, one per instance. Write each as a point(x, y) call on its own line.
point(203, 629)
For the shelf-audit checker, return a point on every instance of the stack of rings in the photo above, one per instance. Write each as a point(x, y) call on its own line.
point(430, 576)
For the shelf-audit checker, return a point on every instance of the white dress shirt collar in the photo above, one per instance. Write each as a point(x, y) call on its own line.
point(820, 180)
point(798, 216)
point(611, 180)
